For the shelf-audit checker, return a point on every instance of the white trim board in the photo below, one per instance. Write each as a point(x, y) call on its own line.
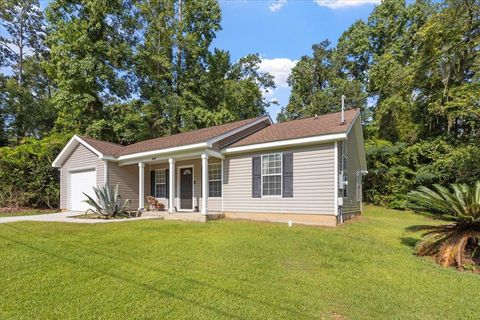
point(71, 145)
point(163, 151)
point(287, 143)
point(207, 144)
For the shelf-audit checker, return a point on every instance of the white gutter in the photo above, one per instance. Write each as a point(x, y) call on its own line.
point(163, 151)
point(285, 143)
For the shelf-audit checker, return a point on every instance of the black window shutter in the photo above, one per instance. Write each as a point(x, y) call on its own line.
point(256, 177)
point(167, 184)
point(152, 183)
point(287, 175)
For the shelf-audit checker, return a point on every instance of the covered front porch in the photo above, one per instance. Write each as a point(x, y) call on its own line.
point(188, 186)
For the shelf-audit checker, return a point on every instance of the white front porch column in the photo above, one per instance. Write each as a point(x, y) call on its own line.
point(171, 187)
point(141, 185)
point(204, 183)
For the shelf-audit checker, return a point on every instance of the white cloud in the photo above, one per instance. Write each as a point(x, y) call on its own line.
point(277, 5)
point(335, 4)
point(280, 68)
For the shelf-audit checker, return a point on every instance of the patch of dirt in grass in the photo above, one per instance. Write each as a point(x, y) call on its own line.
point(333, 315)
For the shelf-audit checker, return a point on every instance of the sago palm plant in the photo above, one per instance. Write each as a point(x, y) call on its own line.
point(460, 206)
point(109, 203)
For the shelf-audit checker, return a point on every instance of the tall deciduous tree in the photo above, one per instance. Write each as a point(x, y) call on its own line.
point(90, 44)
point(25, 107)
point(23, 22)
point(171, 58)
point(318, 82)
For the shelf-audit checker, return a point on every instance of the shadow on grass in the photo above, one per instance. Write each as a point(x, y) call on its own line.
point(409, 241)
point(123, 277)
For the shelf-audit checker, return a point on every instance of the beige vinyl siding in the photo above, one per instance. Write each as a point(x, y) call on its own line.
point(313, 183)
point(350, 203)
point(127, 179)
point(80, 158)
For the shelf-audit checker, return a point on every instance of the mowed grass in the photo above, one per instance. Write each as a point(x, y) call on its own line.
point(26, 212)
point(228, 270)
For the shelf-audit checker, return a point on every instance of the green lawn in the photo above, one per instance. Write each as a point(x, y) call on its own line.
point(26, 212)
point(228, 269)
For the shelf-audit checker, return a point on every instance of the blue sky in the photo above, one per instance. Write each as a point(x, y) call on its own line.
point(282, 31)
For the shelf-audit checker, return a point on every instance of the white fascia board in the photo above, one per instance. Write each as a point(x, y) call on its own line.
point(352, 124)
point(361, 147)
point(359, 140)
point(103, 157)
point(215, 154)
point(98, 153)
point(164, 158)
point(160, 152)
point(57, 163)
point(234, 131)
point(287, 143)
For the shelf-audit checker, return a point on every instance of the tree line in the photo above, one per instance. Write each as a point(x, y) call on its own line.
point(128, 70)
point(414, 69)
point(120, 70)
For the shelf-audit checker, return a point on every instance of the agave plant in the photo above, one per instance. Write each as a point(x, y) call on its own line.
point(460, 206)
point(109, 203)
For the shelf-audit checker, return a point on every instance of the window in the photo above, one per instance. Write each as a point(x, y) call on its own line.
point(272, 174)
point(215, 180)
point(359, 186)
point(160, 184)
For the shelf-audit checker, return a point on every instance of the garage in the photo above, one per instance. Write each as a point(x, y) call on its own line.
point(81, 182)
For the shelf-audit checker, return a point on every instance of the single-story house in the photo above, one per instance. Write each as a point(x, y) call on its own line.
point(308, 171)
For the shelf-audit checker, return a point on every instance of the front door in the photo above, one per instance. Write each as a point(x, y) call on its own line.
point(186, 188)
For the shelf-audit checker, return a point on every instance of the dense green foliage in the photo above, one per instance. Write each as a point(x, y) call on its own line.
point(128, 70)
point(457, 241)
point(26, 173)
point(120, 70)
point(414, 70)
point(160, 269)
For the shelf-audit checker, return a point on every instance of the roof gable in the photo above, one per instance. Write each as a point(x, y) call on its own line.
point(71, 146)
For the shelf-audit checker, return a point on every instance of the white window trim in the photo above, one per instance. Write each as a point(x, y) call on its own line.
point(156, 183)
point(213, 180)
point(276, 174)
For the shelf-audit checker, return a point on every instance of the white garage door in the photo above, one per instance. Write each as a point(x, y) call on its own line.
point(80, 182)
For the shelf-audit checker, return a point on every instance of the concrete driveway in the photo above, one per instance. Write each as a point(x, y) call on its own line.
point(66, 217)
